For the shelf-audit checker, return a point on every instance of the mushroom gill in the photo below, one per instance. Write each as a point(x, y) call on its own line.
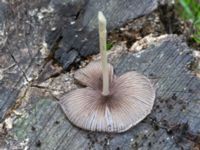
point(108, 103)
point(130, 100)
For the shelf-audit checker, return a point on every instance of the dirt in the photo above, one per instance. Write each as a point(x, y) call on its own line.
point(135, 30)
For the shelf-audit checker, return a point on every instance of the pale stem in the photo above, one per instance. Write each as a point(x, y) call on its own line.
point(102, 45)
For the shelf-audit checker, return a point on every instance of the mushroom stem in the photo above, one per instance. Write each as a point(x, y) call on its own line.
point(102, 45)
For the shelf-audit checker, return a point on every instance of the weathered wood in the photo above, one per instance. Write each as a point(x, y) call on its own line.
point(172, 125)
point(25, 25)
point(76, 29)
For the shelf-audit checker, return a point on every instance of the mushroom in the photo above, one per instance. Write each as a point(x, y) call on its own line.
point(108, 103)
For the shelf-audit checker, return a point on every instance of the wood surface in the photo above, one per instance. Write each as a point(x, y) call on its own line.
point(34, 30)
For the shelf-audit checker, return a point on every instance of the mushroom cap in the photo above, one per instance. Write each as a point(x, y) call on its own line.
point(91, 75)
point(130, 100)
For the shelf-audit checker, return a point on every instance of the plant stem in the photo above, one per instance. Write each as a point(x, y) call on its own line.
point(102, 45)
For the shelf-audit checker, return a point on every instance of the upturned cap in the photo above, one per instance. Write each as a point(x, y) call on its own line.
point(130, 100)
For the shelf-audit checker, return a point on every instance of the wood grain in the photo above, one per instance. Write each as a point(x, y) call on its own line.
point(34, 30)
point(173, 124)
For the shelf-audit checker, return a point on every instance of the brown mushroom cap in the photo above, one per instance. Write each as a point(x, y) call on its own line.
point(91, 75)
point(130, 100)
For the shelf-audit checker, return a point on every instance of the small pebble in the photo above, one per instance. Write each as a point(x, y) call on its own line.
point(131, 140)
point(72, 22)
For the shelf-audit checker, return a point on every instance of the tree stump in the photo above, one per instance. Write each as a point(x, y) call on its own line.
point(30, 86)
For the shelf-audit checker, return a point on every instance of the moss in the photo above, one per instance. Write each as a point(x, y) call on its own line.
point(109, 45)
point(23, 125)
point(189, 11)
